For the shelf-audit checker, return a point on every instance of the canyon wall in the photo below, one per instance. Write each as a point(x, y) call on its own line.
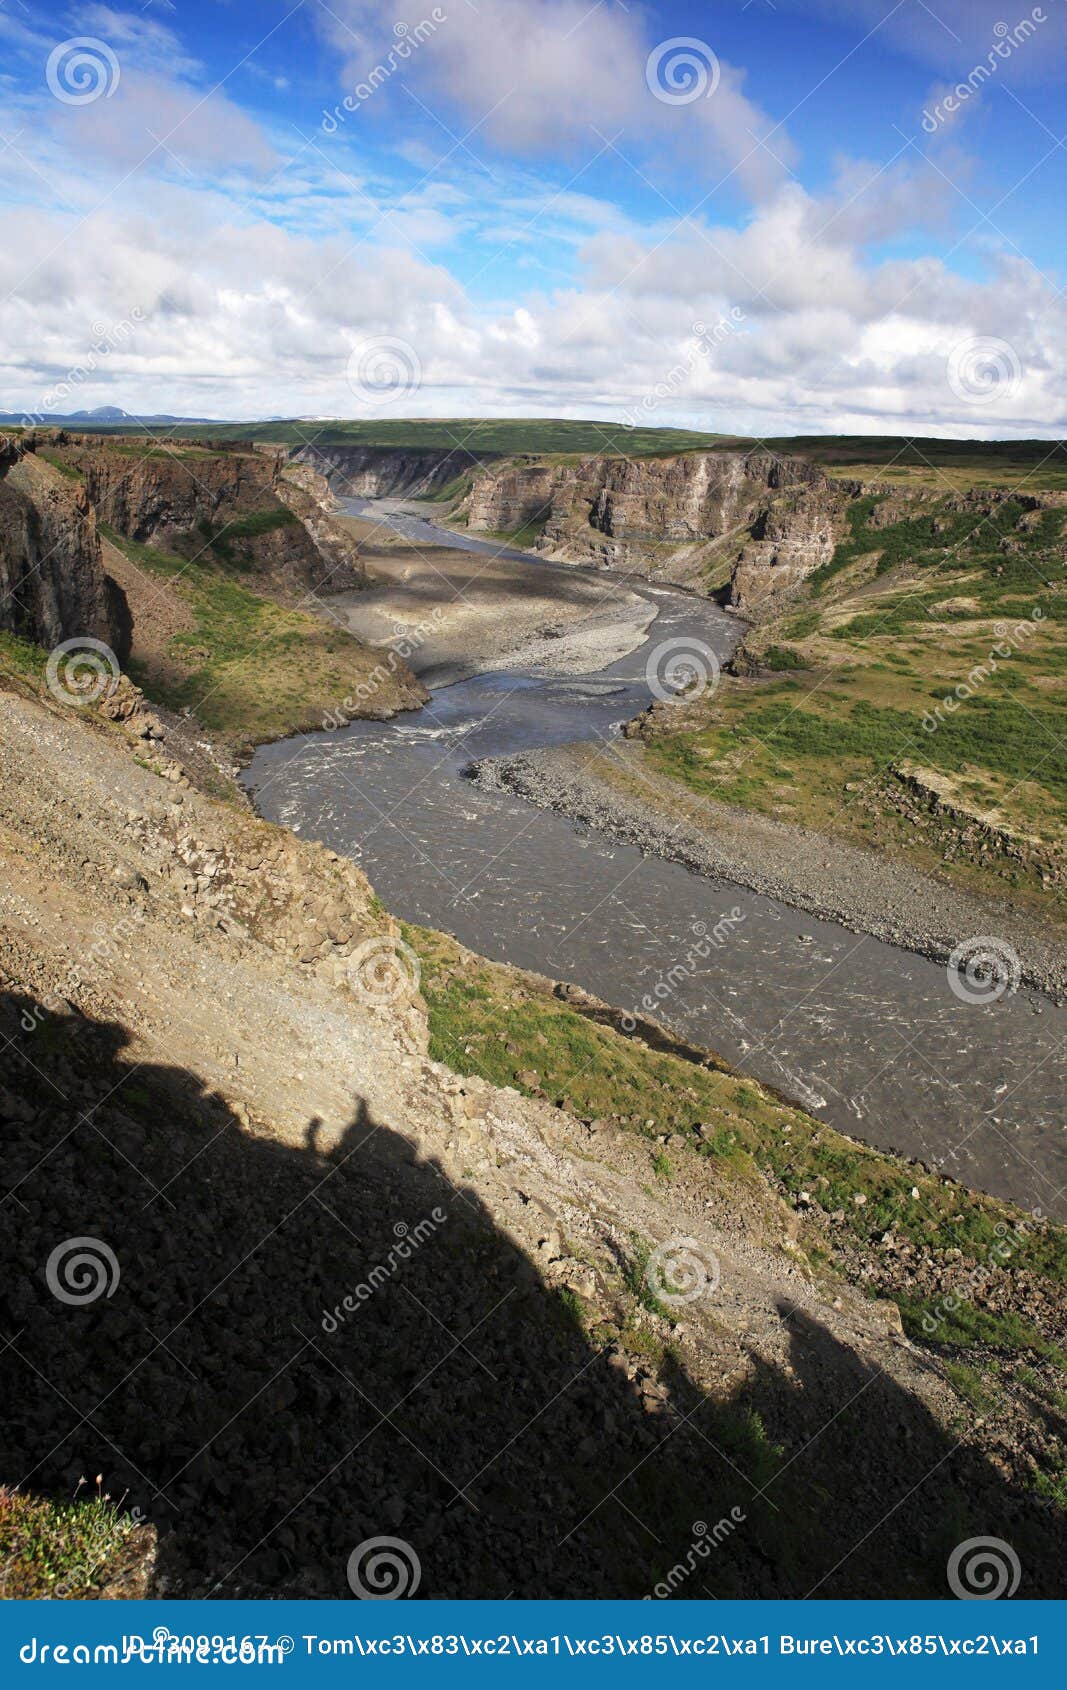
point(383, 472)
point(270, 516)
point(748, 525)
point(53, 585)
point(755, 520)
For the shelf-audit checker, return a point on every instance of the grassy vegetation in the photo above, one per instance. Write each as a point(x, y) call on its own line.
point(523, 539)
point(227, 539)
point(21, 657)
point(472, 434)
point(148, 449)
point(964, 1324)
point(60, 463)
point(1052, 1482)
point(246, 666)
point(951, 465)
point(968, 1383)
point(957, 465)
point(638, 1280)
point(940, 603)
point(484, 1021)
point(57, 1549)
point(784, 657)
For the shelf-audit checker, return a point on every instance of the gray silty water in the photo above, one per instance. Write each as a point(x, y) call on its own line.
point(866, 1035)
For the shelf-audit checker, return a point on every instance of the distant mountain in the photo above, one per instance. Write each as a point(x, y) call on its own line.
point(104, 416)
point(103, 413)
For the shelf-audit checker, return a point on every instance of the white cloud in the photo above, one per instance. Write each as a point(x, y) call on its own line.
point(559, 77)
point(261, 322)
point(255, 262)
point(137, 38)
point(154, 119)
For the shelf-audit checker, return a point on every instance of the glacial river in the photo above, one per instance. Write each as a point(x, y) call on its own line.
point(867, 1036)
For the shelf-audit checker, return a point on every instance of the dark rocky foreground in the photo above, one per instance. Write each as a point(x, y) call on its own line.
point(461, 1407)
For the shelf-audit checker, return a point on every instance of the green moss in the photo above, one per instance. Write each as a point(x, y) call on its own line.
point(57, 1549)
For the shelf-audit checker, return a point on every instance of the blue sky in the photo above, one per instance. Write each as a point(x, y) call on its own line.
point(811, 215)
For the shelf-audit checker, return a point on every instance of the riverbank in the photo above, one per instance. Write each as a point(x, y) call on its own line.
point(609, 787)
point(456, 610)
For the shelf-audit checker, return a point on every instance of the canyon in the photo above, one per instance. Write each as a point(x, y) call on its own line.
point(756, 522)
point(337, 1076)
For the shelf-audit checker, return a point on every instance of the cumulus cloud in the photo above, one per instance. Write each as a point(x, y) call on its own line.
point(560, 77)
point(155, 119)
point(249, 264)
point(263, 322)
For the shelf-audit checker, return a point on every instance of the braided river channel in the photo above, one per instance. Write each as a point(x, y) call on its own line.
point(865, 1035)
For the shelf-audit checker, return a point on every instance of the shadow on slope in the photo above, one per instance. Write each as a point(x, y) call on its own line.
point(459, 1406)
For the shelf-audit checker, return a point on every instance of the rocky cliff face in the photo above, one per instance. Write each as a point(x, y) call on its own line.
point(756, 520)
point(154, 493)
point(791, 536)
point(383, 472)
point(53, 585)
point(257, 506)
point(752, 524)
point(516, 494)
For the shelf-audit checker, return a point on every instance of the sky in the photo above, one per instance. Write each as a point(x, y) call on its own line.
point(753, 216)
